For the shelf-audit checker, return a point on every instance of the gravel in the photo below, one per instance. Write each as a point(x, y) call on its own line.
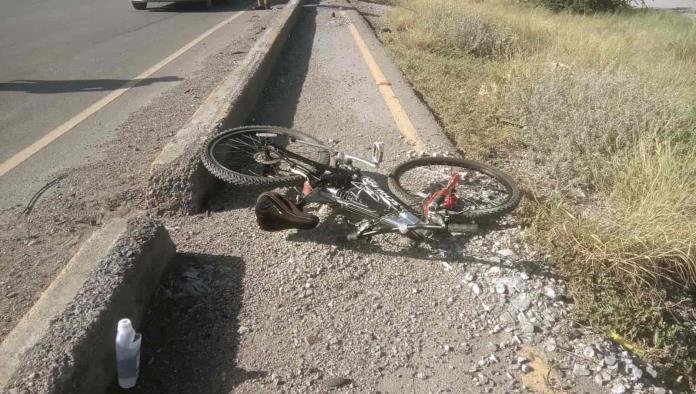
point(381, 316)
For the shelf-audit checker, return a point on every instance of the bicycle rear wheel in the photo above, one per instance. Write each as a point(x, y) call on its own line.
point(483, 193)
point(248, 156)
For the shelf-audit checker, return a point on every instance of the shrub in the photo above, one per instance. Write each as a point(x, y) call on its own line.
point(447, 27)
point(650, 234)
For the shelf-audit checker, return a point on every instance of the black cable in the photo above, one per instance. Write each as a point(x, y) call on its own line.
point(38, 194)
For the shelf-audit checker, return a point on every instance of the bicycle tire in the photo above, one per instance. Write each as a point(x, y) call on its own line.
point(231, 176)
point(477, 215)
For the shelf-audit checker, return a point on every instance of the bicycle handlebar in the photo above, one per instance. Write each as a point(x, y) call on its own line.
point(351, 157)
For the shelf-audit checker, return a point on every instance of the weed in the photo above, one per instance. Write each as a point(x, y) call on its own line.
point(595, 112)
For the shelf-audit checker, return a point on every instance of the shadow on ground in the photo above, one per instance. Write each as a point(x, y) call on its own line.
point(39, 86)
point(199, 6)
point(190, 330)
point(278, 102)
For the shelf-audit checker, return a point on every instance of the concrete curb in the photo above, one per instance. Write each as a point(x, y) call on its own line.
point(178, 180)
point(65, 343)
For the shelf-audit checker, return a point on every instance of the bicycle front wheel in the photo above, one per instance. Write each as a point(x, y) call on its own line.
point(483, 193)
point(255, 155)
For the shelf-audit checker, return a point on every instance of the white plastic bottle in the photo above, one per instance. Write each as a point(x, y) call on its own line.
point(127, 354)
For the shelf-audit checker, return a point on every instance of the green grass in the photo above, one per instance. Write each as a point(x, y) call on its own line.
point(596, 114)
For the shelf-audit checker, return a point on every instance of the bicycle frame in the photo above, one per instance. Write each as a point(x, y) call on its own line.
point(344, 185)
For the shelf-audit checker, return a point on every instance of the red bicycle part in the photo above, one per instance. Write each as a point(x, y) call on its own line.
point(443, 198)
point(306, 188)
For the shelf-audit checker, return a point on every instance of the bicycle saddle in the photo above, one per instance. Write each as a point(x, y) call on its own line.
point(274, 212)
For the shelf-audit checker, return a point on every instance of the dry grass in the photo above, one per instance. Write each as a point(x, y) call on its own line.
point(576, 122)
point(598, 110)
point(652, 233)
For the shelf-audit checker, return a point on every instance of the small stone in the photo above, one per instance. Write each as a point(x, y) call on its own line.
point(506, 252)
point(524, 275)
point(588, 352)
point(550, 292)
point(580, 370)
point(336, 381)
point(528, 328)
point(447, 348)
point(636, 373)
point(493, 358)
point(618, 388)
point(651, 371)
point(277, 380)
point(243, 330)
point(494, 271)
point(500, 288)
point(660, 390)
point(492, 347)
point(556, 377)
point(311, 339)
point(602, 378)
point(421, 376)
point(493, 260)
point(610, 360)
point(521, 302)
point(525, 368)
point(475, 289)
point(468, 277)
point(483, 379)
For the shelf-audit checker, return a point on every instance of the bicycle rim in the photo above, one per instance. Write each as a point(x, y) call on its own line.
point(484, 192)
point(257, 155)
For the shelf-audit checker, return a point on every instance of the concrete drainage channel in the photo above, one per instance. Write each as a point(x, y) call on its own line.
point(64, 344)
point(178, 181)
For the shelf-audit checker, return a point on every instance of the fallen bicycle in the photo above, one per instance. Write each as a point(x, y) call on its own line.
point(430, 196)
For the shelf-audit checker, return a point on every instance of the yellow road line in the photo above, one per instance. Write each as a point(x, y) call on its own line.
point(400, 117)
point(54, 134)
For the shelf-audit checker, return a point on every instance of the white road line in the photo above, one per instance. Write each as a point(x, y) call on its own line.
point(54, 134)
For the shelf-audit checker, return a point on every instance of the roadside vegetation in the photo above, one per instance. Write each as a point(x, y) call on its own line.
point(595, 115)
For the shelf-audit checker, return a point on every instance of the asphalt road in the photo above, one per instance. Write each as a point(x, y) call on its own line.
point(58, 57)
point(677, 5)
